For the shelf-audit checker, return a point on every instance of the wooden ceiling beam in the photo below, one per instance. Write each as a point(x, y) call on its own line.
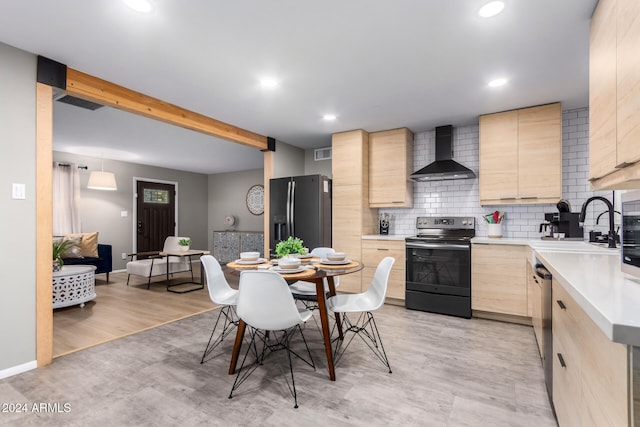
point(93, 89)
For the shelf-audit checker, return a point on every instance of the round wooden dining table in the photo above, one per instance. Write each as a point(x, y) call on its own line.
point(315, 273)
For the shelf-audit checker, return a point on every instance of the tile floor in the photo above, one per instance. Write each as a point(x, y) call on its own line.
point(447, 371)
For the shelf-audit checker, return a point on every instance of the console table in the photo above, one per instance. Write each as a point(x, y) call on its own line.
point(227, 245)
point(73, 284)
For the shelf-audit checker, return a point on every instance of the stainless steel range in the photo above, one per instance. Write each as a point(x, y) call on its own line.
point(439, 265)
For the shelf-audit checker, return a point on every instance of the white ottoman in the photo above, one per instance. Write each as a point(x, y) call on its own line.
point(73, 284)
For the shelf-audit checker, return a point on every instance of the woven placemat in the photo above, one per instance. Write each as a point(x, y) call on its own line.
point(237, 266)
point(341, 266)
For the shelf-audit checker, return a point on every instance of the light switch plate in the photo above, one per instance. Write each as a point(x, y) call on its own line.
point(124, 214)
point(18, 191)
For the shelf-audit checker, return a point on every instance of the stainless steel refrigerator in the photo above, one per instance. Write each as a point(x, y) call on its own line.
point(300, 206)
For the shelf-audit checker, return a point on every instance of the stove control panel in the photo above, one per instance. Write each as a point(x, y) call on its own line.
point(449, 222)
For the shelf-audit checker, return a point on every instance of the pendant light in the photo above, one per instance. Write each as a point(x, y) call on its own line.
point(101, 180)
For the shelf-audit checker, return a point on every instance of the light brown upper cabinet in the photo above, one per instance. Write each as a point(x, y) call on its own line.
point(390, 164)
point(521, 156)
point(614, 90)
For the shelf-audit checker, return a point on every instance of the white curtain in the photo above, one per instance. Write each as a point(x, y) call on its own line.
point(66, 199)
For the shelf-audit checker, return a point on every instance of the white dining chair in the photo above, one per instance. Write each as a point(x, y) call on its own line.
point(222, 294)
point(364, 303)
point(266, 305)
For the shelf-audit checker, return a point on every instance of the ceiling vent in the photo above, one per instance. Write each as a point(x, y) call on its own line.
point(72, 100)
point(322, 154)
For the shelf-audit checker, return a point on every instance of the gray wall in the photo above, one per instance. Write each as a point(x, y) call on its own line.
point(312, 167)
point(227, 196)
point(18, 221)
point(288, 161)
point(101, 210)
point(294, 161)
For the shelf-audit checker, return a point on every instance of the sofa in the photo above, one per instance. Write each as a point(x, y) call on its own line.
point(103, 263)
point(85, 250)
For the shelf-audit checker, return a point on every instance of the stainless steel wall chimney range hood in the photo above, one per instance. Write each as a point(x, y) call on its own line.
point(444, 167)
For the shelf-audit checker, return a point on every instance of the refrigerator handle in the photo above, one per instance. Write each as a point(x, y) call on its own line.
point(288, 225)
point(293, 205)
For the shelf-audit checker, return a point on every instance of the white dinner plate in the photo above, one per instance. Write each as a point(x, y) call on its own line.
point(258, 261)
point(343, 262)
point(289, 270)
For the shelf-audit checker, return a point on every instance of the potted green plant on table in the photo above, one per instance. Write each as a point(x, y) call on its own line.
point(184, 244)
point(291, 246)
point(60, 247)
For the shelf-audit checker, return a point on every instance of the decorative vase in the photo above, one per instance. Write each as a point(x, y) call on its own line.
point(56, 265)
point(184, 248)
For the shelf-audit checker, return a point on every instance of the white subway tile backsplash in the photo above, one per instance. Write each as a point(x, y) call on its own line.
point(461, 197)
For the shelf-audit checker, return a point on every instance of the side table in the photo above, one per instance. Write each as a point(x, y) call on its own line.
point(73, 285)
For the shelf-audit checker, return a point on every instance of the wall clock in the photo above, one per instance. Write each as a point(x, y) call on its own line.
point(255, 199)
point(229, 220)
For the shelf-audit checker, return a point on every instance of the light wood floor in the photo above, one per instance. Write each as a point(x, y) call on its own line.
point(120, 310)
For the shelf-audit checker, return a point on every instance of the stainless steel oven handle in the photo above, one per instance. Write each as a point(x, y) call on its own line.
point(449, 246)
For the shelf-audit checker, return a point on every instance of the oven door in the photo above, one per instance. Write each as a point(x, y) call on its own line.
point(439, 267)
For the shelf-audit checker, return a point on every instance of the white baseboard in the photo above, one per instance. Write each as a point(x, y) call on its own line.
point(15, 370)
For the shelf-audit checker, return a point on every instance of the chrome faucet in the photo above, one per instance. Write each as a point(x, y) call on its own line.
point(583, 214)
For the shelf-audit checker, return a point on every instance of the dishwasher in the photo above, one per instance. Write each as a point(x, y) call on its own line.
point(542, 279)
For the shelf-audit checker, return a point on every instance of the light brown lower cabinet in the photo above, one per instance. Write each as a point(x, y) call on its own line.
point(373, 251)
point(498, 279)
point(590, 372)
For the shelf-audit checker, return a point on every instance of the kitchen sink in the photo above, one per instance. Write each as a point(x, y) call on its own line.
point(573, 246)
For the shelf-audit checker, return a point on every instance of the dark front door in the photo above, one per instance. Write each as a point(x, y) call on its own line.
point(156, 214)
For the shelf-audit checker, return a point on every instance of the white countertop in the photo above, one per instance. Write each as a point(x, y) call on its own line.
point(384, 237)
point(591, 275)
point(607, 295)
point(500, 241)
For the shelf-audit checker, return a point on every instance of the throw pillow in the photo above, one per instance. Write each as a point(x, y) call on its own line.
point(74, 251)
point(89, 243)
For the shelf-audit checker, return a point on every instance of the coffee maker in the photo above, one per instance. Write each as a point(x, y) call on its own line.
point(558, 224)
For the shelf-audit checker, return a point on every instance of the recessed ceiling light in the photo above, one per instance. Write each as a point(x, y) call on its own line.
point(268, 83)
point(143, 6)
point(498, 82)
point(329, 117)
point(491, 9)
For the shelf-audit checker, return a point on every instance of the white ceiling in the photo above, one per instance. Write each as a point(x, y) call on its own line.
point(376, 64)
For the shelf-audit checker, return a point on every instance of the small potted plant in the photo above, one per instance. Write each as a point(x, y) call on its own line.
point(291, 246)
point(184, 244)
point(60, 247)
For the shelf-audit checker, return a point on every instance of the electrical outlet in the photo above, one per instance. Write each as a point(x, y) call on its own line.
point(124, 255)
